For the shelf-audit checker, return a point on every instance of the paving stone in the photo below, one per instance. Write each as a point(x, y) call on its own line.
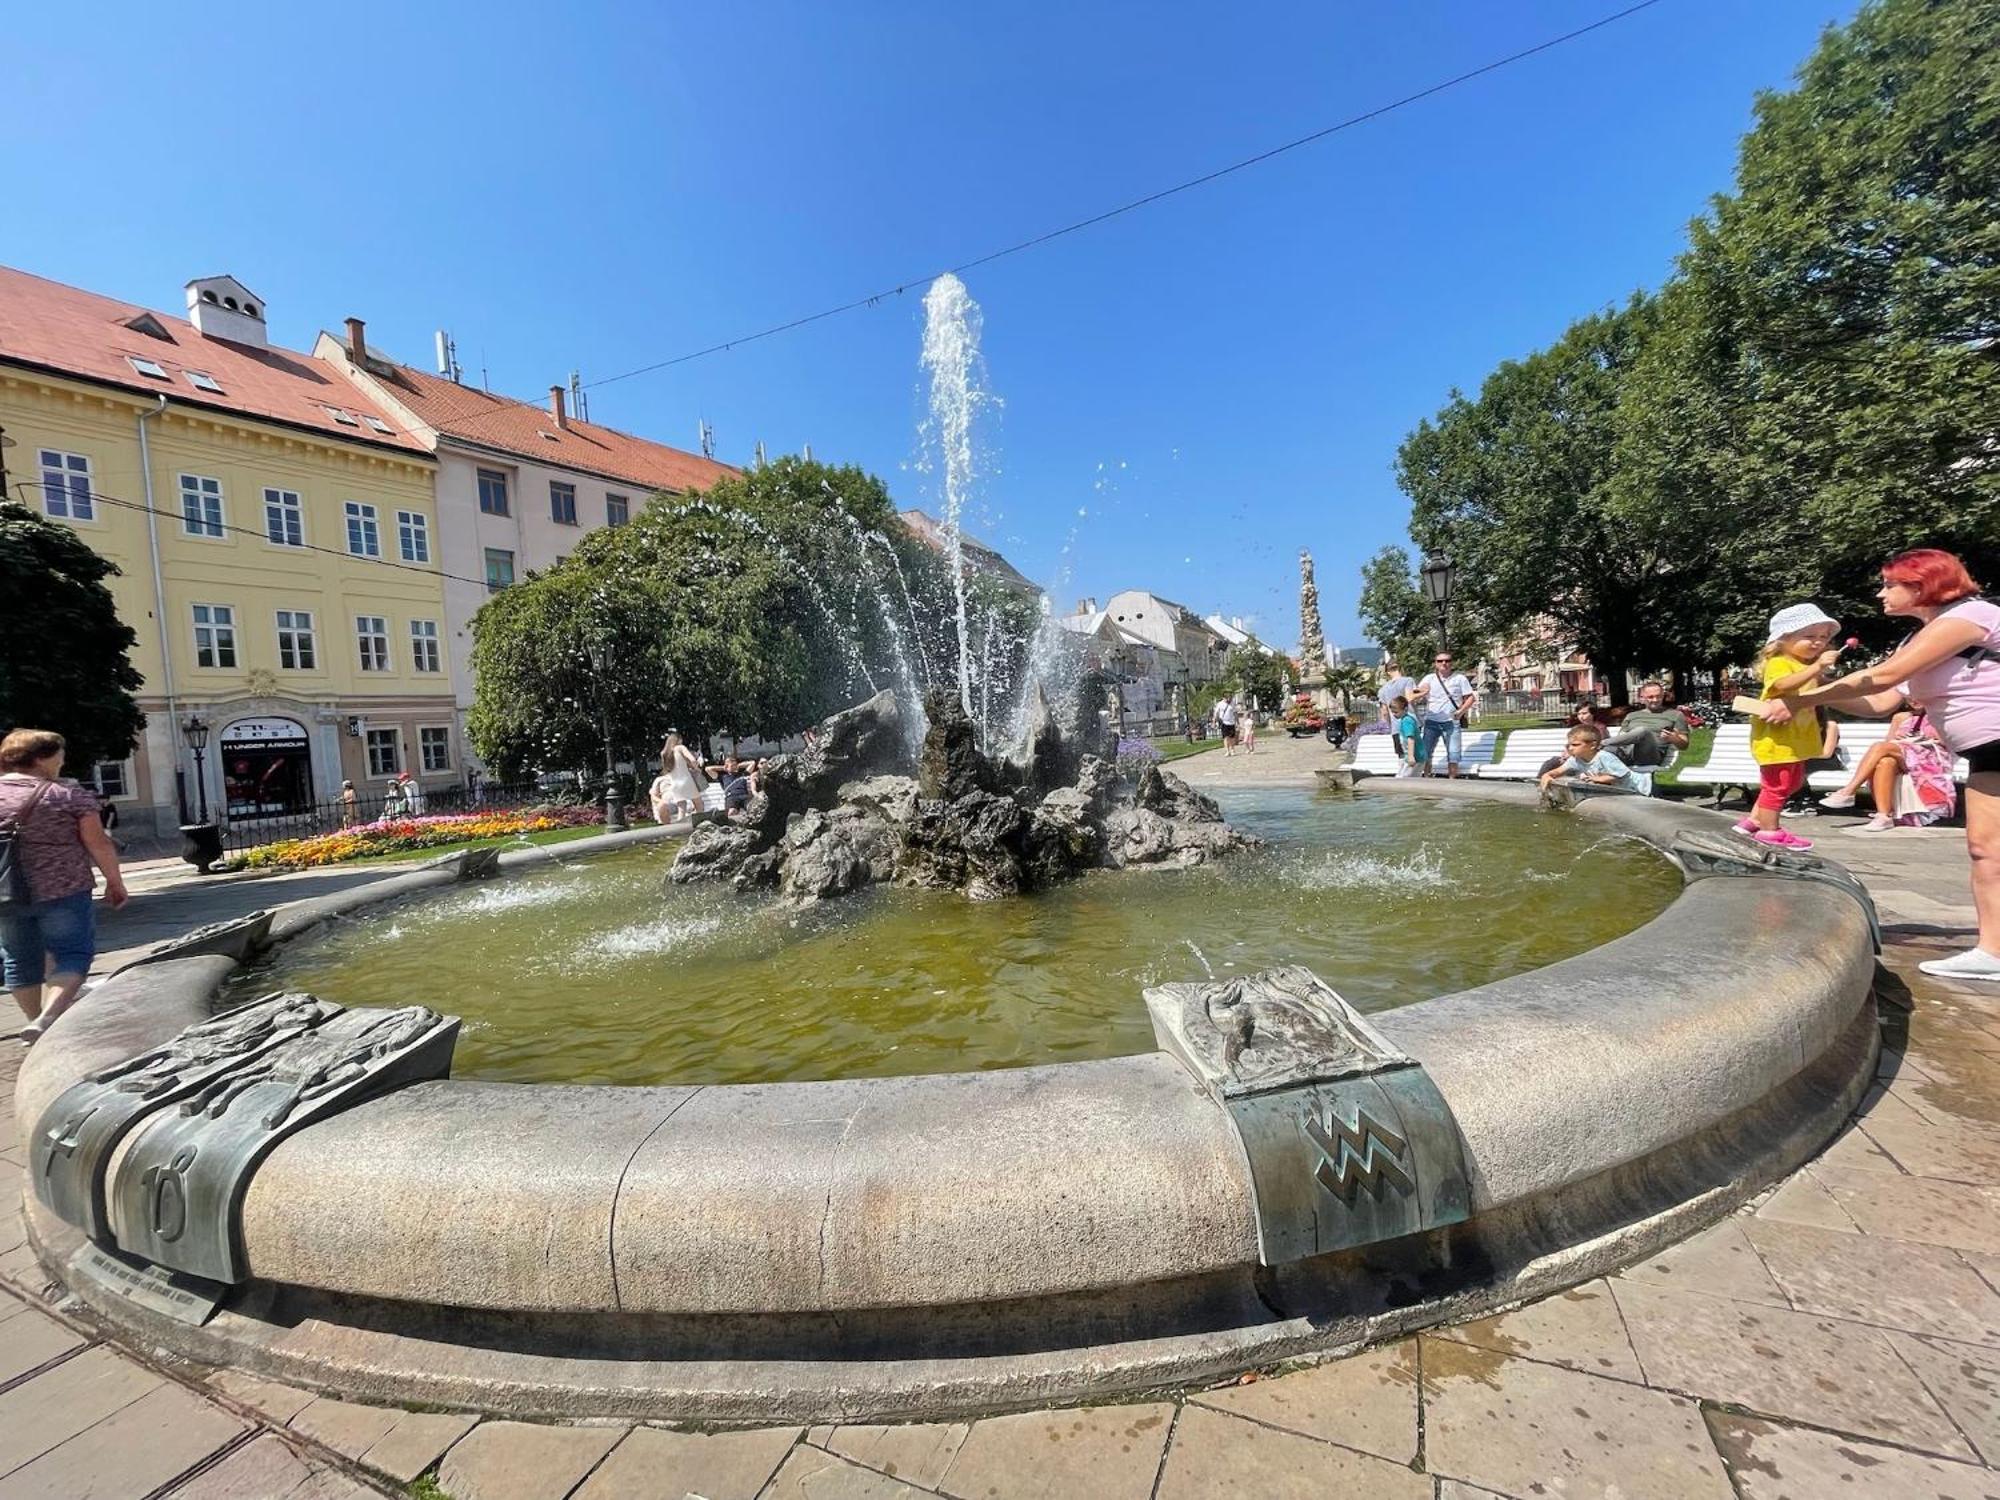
point(1803, 1199)
point(1891, 1064)
point(418, 1440)
point(1952, 1150)
point(1887, 1103)
point(653, 1462)
point(278, 1402)
point(34, 1338)
point(1921, 1209)
point(1216, 1455)
point(1892, 1283)
point(1773, 1462)
point(920, 1453)
point(1367, 1401)
point(809, 1474)
point(267, 1469)
point(1965, 1380)
point(1525, 1428)
point(1458, 1489)
point(1790, 1365)
point(523, 1461)
point(56, 1405)
point(1103, 1452)
point(347, 1428)
point(130, 1453)
point(1962, 1085)
point(1852, 1151)
point(1579, 1329)
point(1719, 1261)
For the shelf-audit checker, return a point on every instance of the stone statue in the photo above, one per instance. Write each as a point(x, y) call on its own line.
point(1312, 637)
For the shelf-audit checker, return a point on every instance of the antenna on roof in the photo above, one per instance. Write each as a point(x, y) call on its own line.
point(806, 452)
point(707, 439)
point(579, 400)
point(760, 453)
point(484, 384)
point(447, 357)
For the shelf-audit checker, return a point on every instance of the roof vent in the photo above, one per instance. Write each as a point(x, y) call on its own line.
point(149, 325)
point(221, 307)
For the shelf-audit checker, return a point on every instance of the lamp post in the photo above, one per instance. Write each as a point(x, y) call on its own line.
point(1439, 575)
point(201, 840)
point(600, 653)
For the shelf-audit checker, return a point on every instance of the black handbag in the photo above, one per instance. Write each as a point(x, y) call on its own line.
point(13, 863)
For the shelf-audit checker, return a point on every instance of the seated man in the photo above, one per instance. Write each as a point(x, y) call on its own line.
point(738, 781)
point(1589, 761)
point(1651, 735)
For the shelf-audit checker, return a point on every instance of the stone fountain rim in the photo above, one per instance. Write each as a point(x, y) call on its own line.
point(1095, 1180)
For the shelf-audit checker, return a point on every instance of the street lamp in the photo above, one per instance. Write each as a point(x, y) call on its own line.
point(598, 649)
point(201, 840)
point(195, 731)
point(1439, 575)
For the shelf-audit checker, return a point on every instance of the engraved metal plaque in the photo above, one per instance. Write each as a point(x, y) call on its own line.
point(237, 938)
point(185, 1299)
point(78, 1131)
point(178, 1190)
point(1702, 854)
point(1347, 1139)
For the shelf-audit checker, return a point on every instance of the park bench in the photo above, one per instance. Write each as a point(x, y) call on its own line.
point(1374, 754)
point(1525, 752)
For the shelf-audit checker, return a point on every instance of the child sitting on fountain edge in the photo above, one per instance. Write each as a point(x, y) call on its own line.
point(1589, 761)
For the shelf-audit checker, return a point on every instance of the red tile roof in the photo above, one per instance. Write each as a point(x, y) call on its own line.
point(60, 328)
point(509, 426)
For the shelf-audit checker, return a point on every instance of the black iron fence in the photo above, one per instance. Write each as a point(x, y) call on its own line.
point(247, 829)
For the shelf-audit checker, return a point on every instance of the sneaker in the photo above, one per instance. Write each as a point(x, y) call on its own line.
point(1748, 826)
point(1837, 800)
point(1974, 963)
point(1781, 838)
point(30, 1034)
point(1877, 824)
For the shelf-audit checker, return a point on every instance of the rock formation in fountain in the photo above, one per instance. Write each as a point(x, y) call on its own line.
point(846, 812)
point(1312, 637)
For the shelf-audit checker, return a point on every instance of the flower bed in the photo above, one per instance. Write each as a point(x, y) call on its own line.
point(410, 835)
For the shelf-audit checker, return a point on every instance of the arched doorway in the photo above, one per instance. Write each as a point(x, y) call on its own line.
point(266, 768)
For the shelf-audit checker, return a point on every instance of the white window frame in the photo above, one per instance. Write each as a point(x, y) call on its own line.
point(364, 524)
point(413, 536)
point(152, 369)
point(379, 655)
point(201, 380)
point(219, 629)
point(426, 655)
point(283, 505)
point(204, 491)
point(568, 491)
point(297, 624)
point(395, 745)
point(59, 501)
point(424, 766)
point(123, 771)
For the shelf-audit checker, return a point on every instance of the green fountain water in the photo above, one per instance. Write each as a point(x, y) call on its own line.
point(588, 974)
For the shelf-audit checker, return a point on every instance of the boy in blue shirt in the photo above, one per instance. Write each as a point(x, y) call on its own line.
point(1588, 760)
point(1405, 721)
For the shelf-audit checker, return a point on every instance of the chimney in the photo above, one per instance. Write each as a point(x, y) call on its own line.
point(1086, 606)
point(357, 345)
point(556, 407)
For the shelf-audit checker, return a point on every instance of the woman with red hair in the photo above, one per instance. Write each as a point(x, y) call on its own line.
point(1951, 666)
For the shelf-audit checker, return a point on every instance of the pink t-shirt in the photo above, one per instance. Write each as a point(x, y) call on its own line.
point(52, 850)
point(1962, 698)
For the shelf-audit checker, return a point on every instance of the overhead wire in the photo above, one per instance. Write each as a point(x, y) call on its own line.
point(1190, 184)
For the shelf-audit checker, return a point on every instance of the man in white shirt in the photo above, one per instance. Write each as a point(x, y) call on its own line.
point(1225, 716)
point(1447, 698)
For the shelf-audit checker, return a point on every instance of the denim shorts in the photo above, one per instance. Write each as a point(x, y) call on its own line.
point(64, 929)
point(1448, 730)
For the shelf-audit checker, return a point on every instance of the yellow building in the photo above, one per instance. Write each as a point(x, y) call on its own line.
point(276, 533)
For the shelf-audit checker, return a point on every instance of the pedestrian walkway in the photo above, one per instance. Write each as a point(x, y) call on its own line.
point(1838, 1337)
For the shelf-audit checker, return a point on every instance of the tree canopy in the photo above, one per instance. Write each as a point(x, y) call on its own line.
point(1816, 388)
point(67, 666)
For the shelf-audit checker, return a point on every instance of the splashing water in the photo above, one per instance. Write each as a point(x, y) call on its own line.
point(952, 325)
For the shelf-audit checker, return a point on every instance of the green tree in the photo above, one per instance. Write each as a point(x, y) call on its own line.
point(1393, 611)
point(67, 666)
point(1258, 674)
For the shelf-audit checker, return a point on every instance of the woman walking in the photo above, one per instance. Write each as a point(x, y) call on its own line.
point(676, 791)
point(56, 839)
point(1952, 666)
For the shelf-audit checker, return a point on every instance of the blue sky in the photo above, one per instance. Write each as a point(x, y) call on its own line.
point(1190, 393)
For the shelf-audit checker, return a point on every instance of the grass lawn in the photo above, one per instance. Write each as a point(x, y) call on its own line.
point(1179, 749)
point(504, 841)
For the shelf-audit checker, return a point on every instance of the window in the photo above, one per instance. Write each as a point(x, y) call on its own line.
point(617, 510)
point(214, 635)
point(372, 634)
point(203, 382)
point(562, 503)
point(385, 752)
point(147, 367)
point(413, 536)
point(297, 650)
point(110, 779)
point(201, 506)
point(499, 569)
point(492, 492)
point(345, 419)
point(364, 537)
point(66, 486)
point(424, 645)
point(284, 518)
point(434, 748)
point(376, 422)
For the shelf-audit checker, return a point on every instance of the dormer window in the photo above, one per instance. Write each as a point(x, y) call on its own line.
point(377, 423)
point(149, 325)
point(345, 419)
point(147, 367)
point(203, 382)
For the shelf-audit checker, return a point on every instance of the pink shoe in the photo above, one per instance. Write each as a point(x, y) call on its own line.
point(1749, 826)
point(1782, 838)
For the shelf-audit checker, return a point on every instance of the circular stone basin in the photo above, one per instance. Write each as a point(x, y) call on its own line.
point(587, 973)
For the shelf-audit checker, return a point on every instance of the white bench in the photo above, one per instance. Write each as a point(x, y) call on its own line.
point(1729, 763)
point(1857, 737)
point(1475, 750)
point(1374, 754)
point(1525, 752)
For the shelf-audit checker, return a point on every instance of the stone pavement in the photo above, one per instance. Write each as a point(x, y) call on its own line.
point(1838, 1337)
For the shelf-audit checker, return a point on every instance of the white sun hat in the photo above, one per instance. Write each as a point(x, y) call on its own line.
point(1796, 617)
